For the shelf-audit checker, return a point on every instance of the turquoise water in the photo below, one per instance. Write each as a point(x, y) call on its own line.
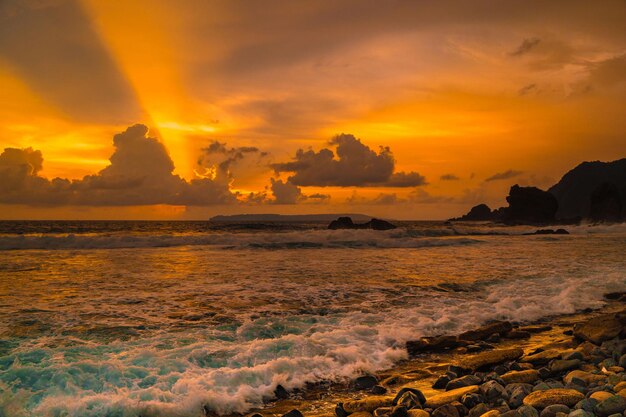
point(143, 319)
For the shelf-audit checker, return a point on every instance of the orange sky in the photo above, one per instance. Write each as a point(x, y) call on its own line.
point(459, 91)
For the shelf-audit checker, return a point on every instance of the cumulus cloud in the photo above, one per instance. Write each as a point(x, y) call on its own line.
point(509, 173)
point(140, 173)
point(285, 192)
point(355, 165)
point(222, 160)
point(449, 177)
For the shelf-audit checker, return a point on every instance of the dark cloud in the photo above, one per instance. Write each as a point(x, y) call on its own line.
point(509, 173)
point(356, 165)
point(449, 177)
point(54, 48)
point(526, 45)
point(224, 159)
point(140, 173)
point(285, 192)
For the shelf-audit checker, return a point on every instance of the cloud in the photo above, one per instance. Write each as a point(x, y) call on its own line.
point(525, 47)
point(140, 173)
point(285, 192)
point(527, 89)
point(356, 165)
point(449, 177)
point(221, 161)
point(509, 173)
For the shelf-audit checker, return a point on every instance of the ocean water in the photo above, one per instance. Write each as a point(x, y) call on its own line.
point(163, 318)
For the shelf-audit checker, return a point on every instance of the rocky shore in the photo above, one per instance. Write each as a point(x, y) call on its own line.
point(572, 368)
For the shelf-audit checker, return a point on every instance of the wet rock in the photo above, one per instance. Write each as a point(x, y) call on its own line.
point(432, 344)
point(416, 394)
point(339, 411)
point(472, 400)
point(478, 410)
point(528, 411)
point(491, 413)
point(517, 335)
point(572, 355)
point(543, 357)
point(500, 369)
point(518, 393)
point(382, 411)
point(561, 365)
point(347, 223)
point(464, 381)
point(552, 410)
point(600, 328)
point(280, 393)
point(409, 400)
point(416, 412)
point(368, 404)
point(378, 390)
point(460, 408)
point(600, 396)
point(620, 386)
point(492, 357)
point(293, 413)
point(449, 396)
point(441, 382)
point(527, 377)
point(587, 377)
point(580, 413)
point(492, 390)
point(361, 414)
point(511, 413)
point(487, 330)
point(542, 399)
point(536, 328)
point(365, 382)
point(399, 411)
point(446, 410)
point(612, 405)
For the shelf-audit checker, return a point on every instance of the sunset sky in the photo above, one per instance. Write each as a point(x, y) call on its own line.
point(402, 109)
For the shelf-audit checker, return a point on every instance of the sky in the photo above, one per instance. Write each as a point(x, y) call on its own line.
point(153, 109)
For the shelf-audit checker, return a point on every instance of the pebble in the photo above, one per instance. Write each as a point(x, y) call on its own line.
point(528, 411)
point(492, 413)
point(612, 405)
point(449, 396)
point(601, 395)
point(580, 413)
point(446, 410)
point(527, 377)
point(416, 412)
point(542, 399)
point(552, 410)
point(464, 381)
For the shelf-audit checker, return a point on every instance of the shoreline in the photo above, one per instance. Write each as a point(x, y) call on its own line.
point(420, 372)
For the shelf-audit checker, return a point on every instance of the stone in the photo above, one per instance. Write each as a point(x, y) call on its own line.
point(517, 335)
point(472, 400)
point(460, 408)
point(622, 393)
point(612, 405)
point(527, 377)
point(487, 330)
point(572, 355)
point(481, 212)
point(416, 395)
point(601, 395)
point(382, 411)
point(510, 413)
point(620, 386)
point(580, 413)
point(365, 382)
point(478, 410)
point(409, 400)
point(542, 358)
point(493, 390)
point(293, 413)
point(280, 393)
point(561, 365)
point(588, 377)
point(378, 390)
point(552, 410)
point(491, 413)
point(339, 411)
point(432, 344)
point(492, 357)
point(599, 329)
point(588, 404)
point(399, 411)
point(528, 411)
point(449, 396)
point(464, 381)
point(416, 412)
point(441, 382)
point(361, 414)
point(446, 410)
point(518, 393)
point(622, 361)
point(542, 399)
point(347, 223)
point(368, 404)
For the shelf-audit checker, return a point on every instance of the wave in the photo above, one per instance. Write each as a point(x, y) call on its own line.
point(163, 377)
point(355, 239)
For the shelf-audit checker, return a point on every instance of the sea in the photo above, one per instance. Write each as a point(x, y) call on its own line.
point(167, 319)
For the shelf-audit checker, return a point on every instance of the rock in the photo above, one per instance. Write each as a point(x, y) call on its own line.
point(491, 413)
point(346, 223)
point(441, 382)
point(529, 205)
point(599, 329)
point(541, 358)
point(280, 393)
point(481, 212)
point(368, 404)
point(432, 344)
point(460, 408)
point(536, 328)
point(365, 382)
point(528, 411)
point(549, 232)
point(607, 203)
point(293, 413)
point(622, 361)
point(588, 377)
point(493, 390)
point(487, 330)
point(471, 400)
point(517, 394)
point(382, 411)
point(446, 410)
point(478, 410)
point(600, 396)
point(511, 413)
point(561, 365)
point(464, 381)
point(409, 400)
point(612, 405)
point(542, 399)
point(416, 412)
point(572, 355)
point(378, 390)
point(552, 410)
point(399, 411)
point(580, 413)
point(339, 411)
point(492, 357)
point(622, 393)
point(449, 396)
point(361, 414)
point(517, 335)
point(417, 394)
point(527, 377)
point(620, 386)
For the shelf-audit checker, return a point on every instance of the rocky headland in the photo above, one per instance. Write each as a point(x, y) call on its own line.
point(347, 223)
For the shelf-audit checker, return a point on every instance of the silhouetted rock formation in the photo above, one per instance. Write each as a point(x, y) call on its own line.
point(481, 212)
point(575, 191)
point(549, 232)
point(346, 223)
point(530, 205)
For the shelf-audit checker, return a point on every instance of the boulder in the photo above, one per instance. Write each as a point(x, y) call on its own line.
point(449, 396)
point(484, 332)
point(416, 412)
point(587, 377)
point(491, 413)
point(552, 410)
point(365, 382)
point(464, 381)
point(491, 357)
point(293, 413)
point(601, 328)
point(481, 212)
point(530, 205)
point(446, 410)
point(528, 411)
point(347, 223)
point(527, 377)
point(615, 404)
point(607, 204)
point(544, 398)
point(432, 344)
point(368, 404)
point(415, 394)
point(562, 365)
point(600, 395)
point(542, 357)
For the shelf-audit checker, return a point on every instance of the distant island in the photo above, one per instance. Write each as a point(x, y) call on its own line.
point(594, 191)
point(288, 217)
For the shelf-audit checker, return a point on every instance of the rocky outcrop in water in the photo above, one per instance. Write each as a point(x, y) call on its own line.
point(347, 223)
